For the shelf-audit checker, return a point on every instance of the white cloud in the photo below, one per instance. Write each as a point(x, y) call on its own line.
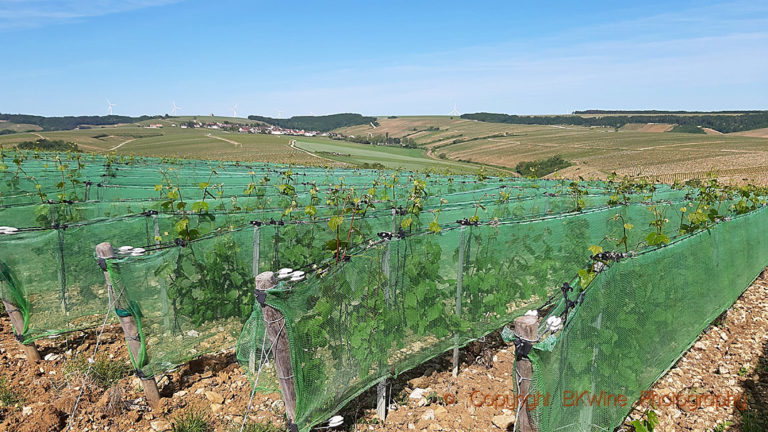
point(16, 14)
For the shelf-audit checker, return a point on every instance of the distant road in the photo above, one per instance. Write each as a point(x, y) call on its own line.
point(236, 144)
point(122, 144)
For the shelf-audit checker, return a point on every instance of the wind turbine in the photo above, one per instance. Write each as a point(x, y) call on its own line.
point(455, 112)
point(279, 114)
point(234, 111)
point(109, 106)
point(175, 108)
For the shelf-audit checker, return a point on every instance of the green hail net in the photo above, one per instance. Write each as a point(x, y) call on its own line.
point(399, 268)
point(637, 318)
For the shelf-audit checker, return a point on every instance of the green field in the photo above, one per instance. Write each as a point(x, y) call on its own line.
point(390, 157)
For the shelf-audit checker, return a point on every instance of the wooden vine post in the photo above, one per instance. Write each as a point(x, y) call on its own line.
point(17, 320)
point(105, 251)
point(526, 329)
point(278, 340)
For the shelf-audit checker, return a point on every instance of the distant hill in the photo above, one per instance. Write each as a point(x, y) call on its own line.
point(317, 123)
point(70, 122)
point(725, 123)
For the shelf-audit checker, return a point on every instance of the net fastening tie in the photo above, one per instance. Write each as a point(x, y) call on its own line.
point(569, 304)
point(256, 223)
point(180, 242)
point(139, 373)
point(293, 427)
point(610, 256)
point(522, 347)
point(103, 264)
point(261, 297)
point(19, 338)
point(467, 222)
point(385, 235)
point(401, 233)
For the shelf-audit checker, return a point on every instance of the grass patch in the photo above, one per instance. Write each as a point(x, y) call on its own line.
point(190, 421)
point(104, 371)
point(8, 397)
point(259, 427)
point(542, 167)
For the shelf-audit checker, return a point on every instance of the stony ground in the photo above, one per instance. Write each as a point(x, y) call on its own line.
point(214, 385)
point(731, 356)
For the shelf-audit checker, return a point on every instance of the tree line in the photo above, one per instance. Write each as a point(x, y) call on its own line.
point(71, 122)
point(317, 123)
point(596, 111)
point(48, 145)
point(541, 167)
point(382, 140)
point(722, 123)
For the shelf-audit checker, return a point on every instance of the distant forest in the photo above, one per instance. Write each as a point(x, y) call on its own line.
point(317, 123)
point(70, 122)
point(722, 123)
point(593, 111)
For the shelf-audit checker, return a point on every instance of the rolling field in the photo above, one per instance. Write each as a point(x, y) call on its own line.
point(390, 157)
point(595, 152)
point(202, 143)
point(176, 142)
point(453, 144)
point(18, 127)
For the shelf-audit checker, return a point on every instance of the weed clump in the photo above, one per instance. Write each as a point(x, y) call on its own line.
point(104, 371)
point(8, 397)
point(190, 421)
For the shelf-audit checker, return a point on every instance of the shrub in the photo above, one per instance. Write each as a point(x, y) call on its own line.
point(48, 145)
point(540, 168)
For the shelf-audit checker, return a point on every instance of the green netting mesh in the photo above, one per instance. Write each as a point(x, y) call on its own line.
point(638, 317)
point(431, 262)
point(394, 305)
point(193, 299)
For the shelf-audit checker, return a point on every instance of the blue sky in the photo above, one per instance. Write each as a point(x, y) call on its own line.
point(66, 57)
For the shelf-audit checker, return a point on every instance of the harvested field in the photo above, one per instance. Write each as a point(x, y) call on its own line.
point(759, 133)
point(648, 127)
point(596, 151)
